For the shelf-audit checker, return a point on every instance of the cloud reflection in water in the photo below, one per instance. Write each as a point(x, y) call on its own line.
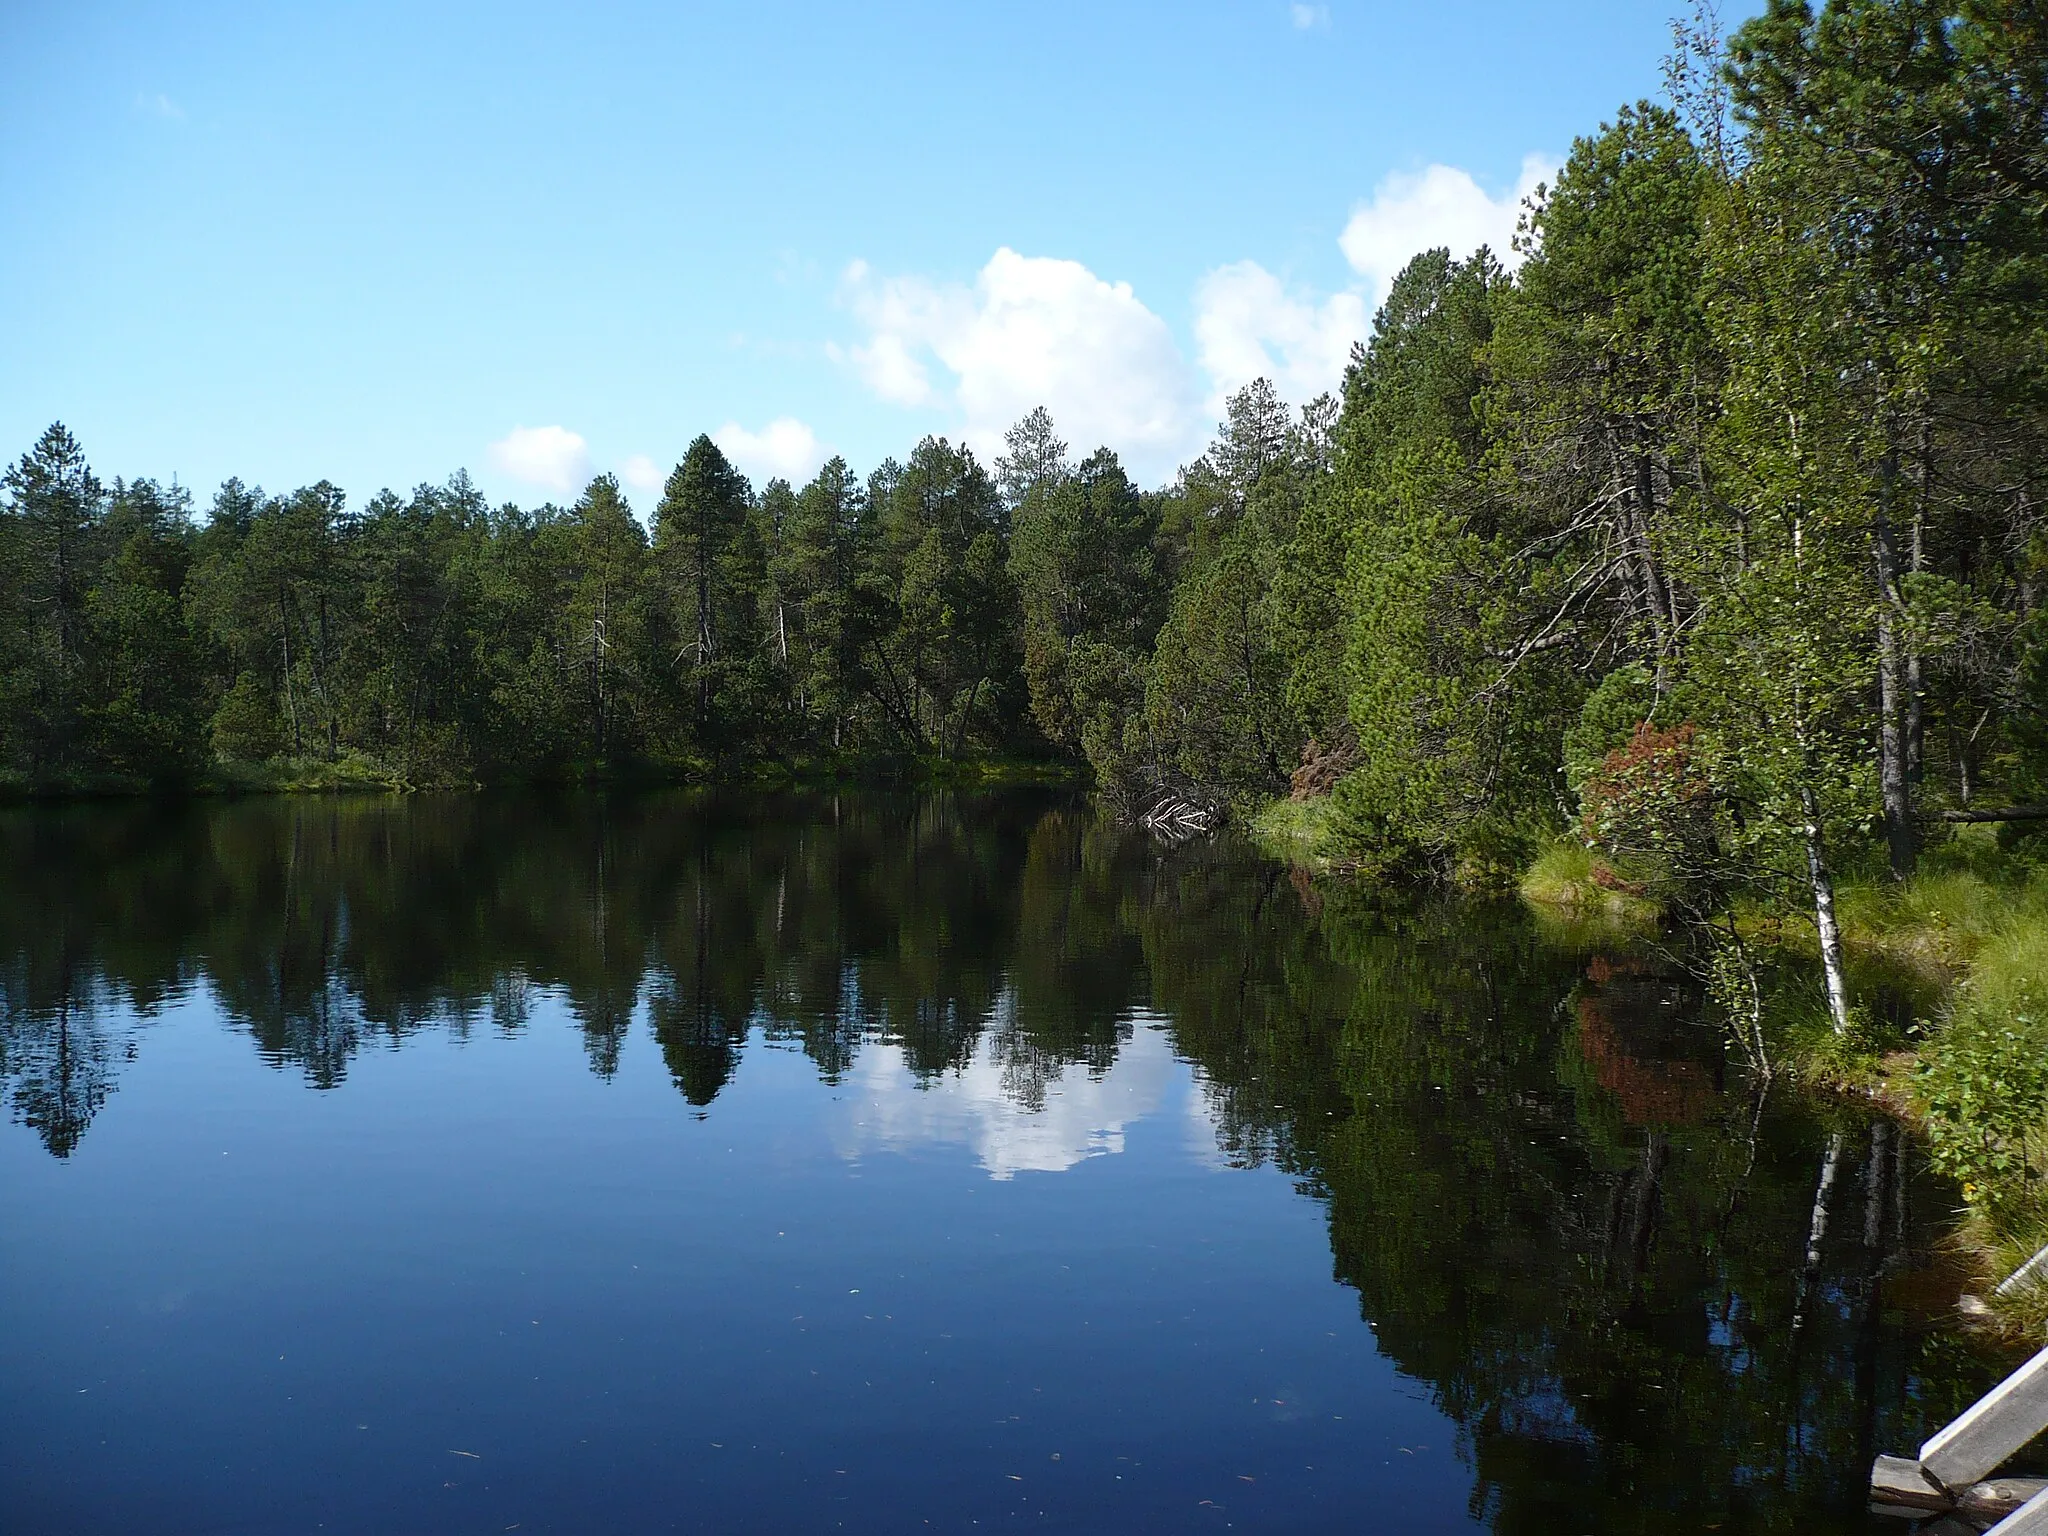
point(1064, 1114)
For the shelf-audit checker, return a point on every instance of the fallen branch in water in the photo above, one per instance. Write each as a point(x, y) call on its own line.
point(1174, 818)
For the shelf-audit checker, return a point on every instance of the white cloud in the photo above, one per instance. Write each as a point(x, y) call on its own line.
point(156, 104)
point(785, 448)
point(1443, 205)
point(642, 474)
point(1249, 326)
point(1308, 17)
point(551, 457)
point(1032, 330)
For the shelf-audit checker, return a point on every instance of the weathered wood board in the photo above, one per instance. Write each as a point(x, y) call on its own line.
point(2030, 1519)
point(1993, 1428)
point(2033, 1272)
point(1898, 1488)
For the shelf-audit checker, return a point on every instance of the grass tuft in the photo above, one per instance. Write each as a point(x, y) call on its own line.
point(1581, 893)
point(1299, 832)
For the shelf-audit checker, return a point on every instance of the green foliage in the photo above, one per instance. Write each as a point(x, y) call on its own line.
point(1108, 684)
point(1986, 1093)
point(1984, 1078)
point(1618, 703)
point(246, 727)
point(938, 643)
point(1241, 673)
point(815, 565)
point(1216, 700)
point(706, 660)
point(54, 504)
point(1081, 558)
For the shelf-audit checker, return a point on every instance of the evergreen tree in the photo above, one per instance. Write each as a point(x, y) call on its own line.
point(52, 514)
point(939, 643)
point(144, 709)
point(826, 537)
point(1081, 557)
point(1034, 458)
point(711, 565)
point(599, 552)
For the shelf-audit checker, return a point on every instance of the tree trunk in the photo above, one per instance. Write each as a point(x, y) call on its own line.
point(1657, 600)
point(1916, 556)
point(321, 653)
point(1892, 774)
point(1824, 914)
point(703, 643)
point(291, 703)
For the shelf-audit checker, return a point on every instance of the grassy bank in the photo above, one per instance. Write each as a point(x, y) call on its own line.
point(1297, 832)
point(1570, 887)
point(1949, 975)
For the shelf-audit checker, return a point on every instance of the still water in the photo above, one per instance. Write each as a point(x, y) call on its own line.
point(871, 1163)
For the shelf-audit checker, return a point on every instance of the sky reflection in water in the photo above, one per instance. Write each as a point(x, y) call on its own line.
point(684, 1163)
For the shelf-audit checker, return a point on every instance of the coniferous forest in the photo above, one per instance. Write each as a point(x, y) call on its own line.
point(1714, 530)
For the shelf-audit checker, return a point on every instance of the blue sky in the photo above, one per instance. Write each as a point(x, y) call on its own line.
point(377, 243)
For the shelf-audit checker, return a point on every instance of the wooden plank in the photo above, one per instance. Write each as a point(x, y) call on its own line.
point(2035, 1269)
point(2030, 1519)
point(1898, 1487)
point(1993, 1428)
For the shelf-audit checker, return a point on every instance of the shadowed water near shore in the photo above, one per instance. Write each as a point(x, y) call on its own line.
point(743, 1162)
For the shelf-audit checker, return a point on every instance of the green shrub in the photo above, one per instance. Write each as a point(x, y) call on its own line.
point(1984, 1078)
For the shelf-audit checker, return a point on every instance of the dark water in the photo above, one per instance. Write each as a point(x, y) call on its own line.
point(890, 1164)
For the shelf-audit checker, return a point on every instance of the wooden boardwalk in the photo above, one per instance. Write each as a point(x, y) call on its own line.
point(1951, 1478)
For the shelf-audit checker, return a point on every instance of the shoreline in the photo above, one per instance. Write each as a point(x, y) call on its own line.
point(358, 776)
point(1960, 947)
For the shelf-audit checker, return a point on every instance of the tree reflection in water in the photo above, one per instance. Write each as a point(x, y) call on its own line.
point(1645, 1295)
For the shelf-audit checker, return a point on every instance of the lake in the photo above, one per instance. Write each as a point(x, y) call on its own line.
point(870, 1162)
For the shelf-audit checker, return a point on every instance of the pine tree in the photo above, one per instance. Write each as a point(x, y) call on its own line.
point(711, 572)
point(52, 515)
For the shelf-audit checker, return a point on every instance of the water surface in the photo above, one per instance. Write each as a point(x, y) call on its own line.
point(858, 1162)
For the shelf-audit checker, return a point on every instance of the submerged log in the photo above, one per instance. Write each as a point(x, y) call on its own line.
point(1898, 1487)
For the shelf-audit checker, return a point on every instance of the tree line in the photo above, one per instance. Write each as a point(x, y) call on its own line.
point(930, 610)
point(1713, 529)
